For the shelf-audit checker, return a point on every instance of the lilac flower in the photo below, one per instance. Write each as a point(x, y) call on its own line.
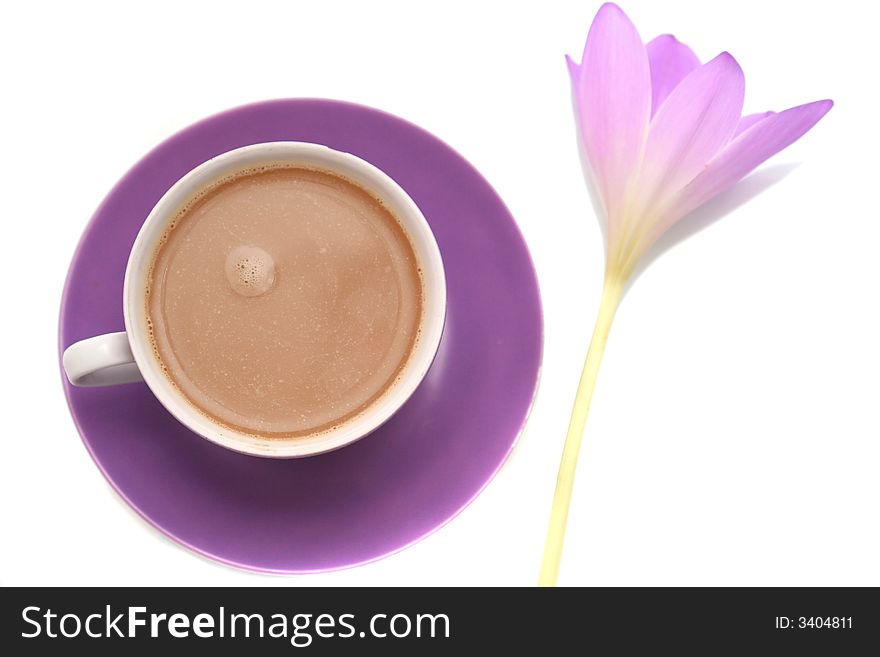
point(662, 134)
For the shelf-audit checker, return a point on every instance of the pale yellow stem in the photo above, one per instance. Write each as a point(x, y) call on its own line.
point(611, 295)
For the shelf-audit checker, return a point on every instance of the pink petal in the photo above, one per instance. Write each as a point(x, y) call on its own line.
point(748, 121)
point(613, 96)
point(691, 126)
point(574, 70)
point(765, 138)
point(670, 62)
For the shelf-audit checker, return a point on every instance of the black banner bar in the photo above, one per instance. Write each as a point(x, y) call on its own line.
point(438, 621)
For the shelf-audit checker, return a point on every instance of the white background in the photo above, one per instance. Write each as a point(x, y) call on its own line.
point(734, 437)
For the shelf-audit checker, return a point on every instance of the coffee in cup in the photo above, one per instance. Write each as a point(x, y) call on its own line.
point(282, 301)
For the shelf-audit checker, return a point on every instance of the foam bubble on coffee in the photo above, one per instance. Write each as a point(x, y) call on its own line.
point(250, 270)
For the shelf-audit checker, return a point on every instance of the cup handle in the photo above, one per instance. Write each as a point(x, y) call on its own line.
point(104, 360)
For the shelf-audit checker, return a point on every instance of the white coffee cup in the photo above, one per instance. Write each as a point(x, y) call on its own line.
point(116, 358)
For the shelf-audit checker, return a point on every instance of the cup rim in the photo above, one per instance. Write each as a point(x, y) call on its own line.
point(318, 157)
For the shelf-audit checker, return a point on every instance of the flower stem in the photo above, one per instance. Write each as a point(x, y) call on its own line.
point(611, 295)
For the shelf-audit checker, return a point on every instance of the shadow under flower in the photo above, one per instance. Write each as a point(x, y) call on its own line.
point(707, 214)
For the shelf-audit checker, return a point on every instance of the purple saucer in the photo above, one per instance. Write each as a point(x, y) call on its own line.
point(390, 489)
